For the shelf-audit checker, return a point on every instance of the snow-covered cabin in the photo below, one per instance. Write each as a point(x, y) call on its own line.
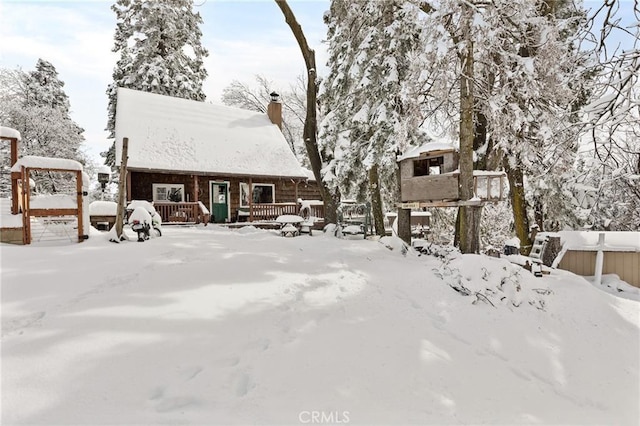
point(429, 176)
point(183, 152)
point(621, 253)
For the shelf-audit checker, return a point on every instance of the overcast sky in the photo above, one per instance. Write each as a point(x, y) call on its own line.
point(244, 38)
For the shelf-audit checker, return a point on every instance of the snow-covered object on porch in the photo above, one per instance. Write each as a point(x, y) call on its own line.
point(174, 134)
point(9, 133)
point(140, 214)
point(37, 162)
point(155, 217)
point(133, 204)
point(289, 218)
point(103, 208)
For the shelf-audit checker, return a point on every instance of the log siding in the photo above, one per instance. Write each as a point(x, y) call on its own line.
point(285, 188)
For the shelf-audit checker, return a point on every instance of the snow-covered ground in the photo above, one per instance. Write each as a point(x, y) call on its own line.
point(217, 326)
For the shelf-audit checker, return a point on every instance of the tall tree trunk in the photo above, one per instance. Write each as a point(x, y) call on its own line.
point(538, 212)
point(329, 198)
point(376, 200)
point(519, 206)
point(403, 221)
point(469, 226)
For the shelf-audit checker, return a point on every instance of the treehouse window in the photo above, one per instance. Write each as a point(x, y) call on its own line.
point(428, 166)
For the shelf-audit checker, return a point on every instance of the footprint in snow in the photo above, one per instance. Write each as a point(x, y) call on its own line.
point(191, 372)
point(22, 322)
point(176, 403)
point(243, 385)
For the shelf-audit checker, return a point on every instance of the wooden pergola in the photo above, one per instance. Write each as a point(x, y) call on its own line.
point(12, 136)
point(23, 167)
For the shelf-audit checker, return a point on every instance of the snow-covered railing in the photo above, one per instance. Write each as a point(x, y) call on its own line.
point(443, 190)
point(270, 211)
point(186, 212)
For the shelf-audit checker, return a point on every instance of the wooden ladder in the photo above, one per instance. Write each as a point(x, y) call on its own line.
point(538, 248)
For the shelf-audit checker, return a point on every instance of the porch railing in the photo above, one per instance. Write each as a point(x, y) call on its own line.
point(187, 212)
point(270, 211)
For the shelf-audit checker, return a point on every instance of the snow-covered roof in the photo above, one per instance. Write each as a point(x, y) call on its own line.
point(426, 148)
point(180, 135)
point(8, 132)
point(588, 240)
point(36, 162)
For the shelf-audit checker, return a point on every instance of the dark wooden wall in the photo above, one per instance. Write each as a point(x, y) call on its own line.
point(142, 187)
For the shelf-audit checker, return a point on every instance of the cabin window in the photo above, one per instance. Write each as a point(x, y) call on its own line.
point(168, 192)
point(262, 193)
point(428, 166)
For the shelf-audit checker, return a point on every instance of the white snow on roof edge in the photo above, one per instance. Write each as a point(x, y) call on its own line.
point(169, 134)
point(9, 133)
point(427, 147)
point(588, 240)
point(36, 162)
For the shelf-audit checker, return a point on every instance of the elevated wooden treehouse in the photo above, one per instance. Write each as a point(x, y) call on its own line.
point(430, 177)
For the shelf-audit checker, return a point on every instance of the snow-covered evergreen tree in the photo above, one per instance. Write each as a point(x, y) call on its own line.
point(368, 98)
point(44, 88)
point(160, 51)
point(528, 80)
point(40, 110)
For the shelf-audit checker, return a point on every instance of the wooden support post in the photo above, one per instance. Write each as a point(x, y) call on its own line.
point(195, 188)
point(14, 179)
point(121, 190)
point(250, 200)
point(26, 220)
point(79, 205)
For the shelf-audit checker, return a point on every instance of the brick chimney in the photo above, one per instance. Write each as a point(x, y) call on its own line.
point(274, 110)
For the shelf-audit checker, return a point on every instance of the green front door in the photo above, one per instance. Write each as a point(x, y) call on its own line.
point(219, 202)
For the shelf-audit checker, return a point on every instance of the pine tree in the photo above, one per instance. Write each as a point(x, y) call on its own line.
point(40, 110)
point(525, 82)
point(160, 51)
point(369, 99)
point(44, 88)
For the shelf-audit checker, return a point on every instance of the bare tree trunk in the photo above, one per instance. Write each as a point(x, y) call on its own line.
point(519, 206)
point(121, 190)
point(376, 200)
point(310, 124)
point(404, 215)
point(469, 227)
point(538, 212)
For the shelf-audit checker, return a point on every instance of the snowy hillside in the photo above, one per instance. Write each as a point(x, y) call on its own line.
point(216, 326)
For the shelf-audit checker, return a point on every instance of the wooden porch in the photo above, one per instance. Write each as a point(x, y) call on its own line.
point(182, 213)
point(270, 211)
point(196, 212)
